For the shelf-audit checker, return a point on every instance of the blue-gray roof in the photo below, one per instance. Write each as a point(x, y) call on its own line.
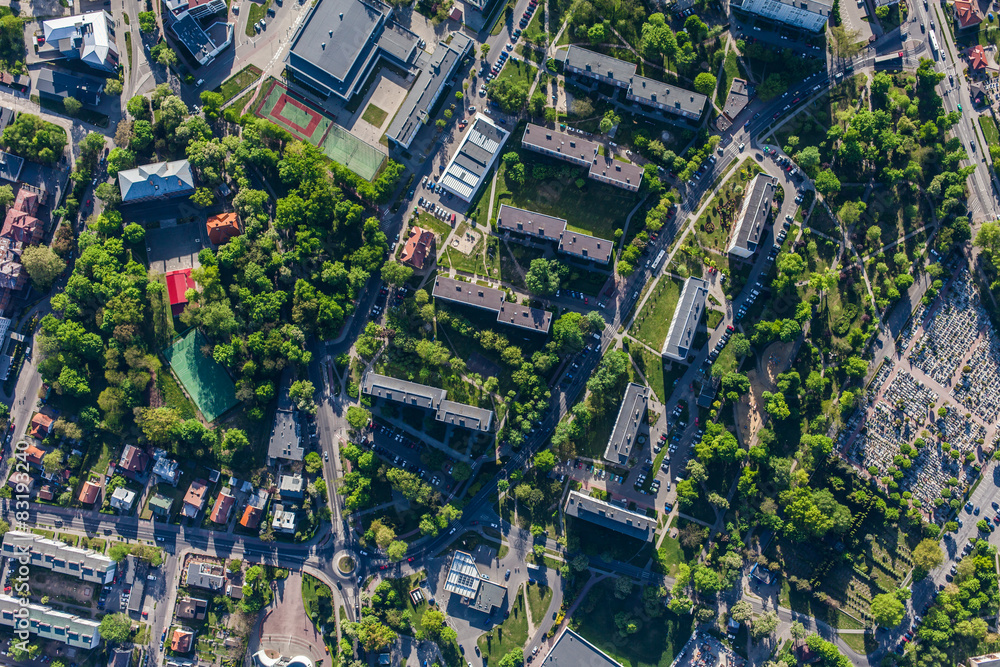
point(160, 179)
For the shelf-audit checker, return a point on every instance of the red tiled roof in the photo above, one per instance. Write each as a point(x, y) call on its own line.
point(416, 248)
point(977, 57)
point(88, 494)
point(251, 517)
point(967, 14)
point(223, 505)
point(45, 493)
point(34, 454)
point(181, 640)
point(223, 227)
point(178, 283)
point(41, 425)
point(133, 459)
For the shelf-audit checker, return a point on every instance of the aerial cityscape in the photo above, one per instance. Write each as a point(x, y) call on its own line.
point(493, 333)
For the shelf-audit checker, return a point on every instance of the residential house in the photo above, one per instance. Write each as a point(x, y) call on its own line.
point(159, 180)
point(194, 609)
point(223, 507)
point(284, 521)
point(122, 499)
point(120, 658)
point(21, 224)
point(292, 486)
point(41, 425)
point(209, 576)
point(10, 164)
point(966, 14)
point(167, 470)
point(89, 492)
point(57, 86)
point(254, 511)
point(45, 493)
point(978, 62)
point(160, 506)
point(178, 283)
point(133, 462)
point(182, 640)
point(34, 455)
point(223, 227)
point(195, 498)
point(418, 247)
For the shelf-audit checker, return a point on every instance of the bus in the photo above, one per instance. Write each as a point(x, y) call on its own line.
point(892, 62)
point(934, 45)
point(659, 258)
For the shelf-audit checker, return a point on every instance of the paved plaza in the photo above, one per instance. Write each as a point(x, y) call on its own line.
point(950, 358)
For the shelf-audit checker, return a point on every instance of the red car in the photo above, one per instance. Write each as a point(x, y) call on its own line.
point(730, 328)
point(410, 559)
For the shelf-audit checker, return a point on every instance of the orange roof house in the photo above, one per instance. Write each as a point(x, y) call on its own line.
point(34, 455)
point(41, 425)
point(417, 247)
point(45, 493)
point(194, 499)
point(223, 506)
point(967, 14)
point(88, 494)
point(223, 227)
point(977, 58)
point(178, 283)
point(181, 640)
point(251, 517)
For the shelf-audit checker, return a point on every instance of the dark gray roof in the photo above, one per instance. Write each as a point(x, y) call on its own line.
point(738, 98)
point(6, 117)
point(625, 173)
point(630, 416)
point(286, 440)
point(58, 84)
point(600, 64)
point(573, 147)
point(337, 34)
point(469, 294)
point(572, 650)
point(10, 166)
point(753, 214)
point(402, 391)
point(651, 91)
point(193, 37)
point(685, 319)
point(490, 596)
point(626, 522)
point(529, 222)
point(466, 416)
point(474, 157)
point(136, 596)
point(525, 317)
point(426, 89)
point(584, 245)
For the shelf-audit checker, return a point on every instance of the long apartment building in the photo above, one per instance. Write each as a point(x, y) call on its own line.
point(521, 222)
point(754, 215)
point(808, 15)
point(583, 152)
point(684, 322)
point(631, 414)
point(48, 623)
point(428, 398)
point(641, 90)
point(494, 301)
point(60, 557)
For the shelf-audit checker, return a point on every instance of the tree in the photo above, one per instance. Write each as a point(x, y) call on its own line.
point(118, 552)
point(845, 43)
point(545, 461)
point(6, 195)
point(396, 551)
point(623, 587)
point(808, 158)
point(314, 463)
point(302, 392)
point(510, 93)
point(515, 658)
point(166, 57)
point(53, 461)
point(544, 276)
point(35, 139)
point(764, 625)
point(741, 612)
point(147, 21)
point(115, 628)
point(138, 108)
point(395, 273)
point(927, 555)
point(72, 105)
point(827, 183)
point(705, 83)
point(887, 610)
point(357, 417)
point(43, 265)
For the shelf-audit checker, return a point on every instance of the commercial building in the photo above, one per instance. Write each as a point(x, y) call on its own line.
point(429, 398)
point(737, 99)
point(432, 79)
point(159, 180)
point(474, 158)
point(204, 44)
point(340, 42)
point(493, 300)
point(57, 86)
point(808, 15)
point(88, 38)
point(205, 575)
point(685, 319)
point(572, 650)
point(753, 217)
point(618, 519)
point(59, 557)
point(465, 580)
point(583, 152)
point(47, 623)
point(631, 414)
point(199, 9)
point(988, 660)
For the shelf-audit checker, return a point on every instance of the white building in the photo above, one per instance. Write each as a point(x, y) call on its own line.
point(60, 557)
point(89, 38)
point(754, 213)
point(809, 15)
point(50, 624)
point(474, 158)
point(684, 322)
point(122, 499)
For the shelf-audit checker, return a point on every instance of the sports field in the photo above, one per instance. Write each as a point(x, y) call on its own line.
point(205, 381)
point(307, 123)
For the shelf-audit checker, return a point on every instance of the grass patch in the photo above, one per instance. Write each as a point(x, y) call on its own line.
point(712, 229)
point(539, 599)
point(128, 47)
point(173, 397)
point(862, 643)
point(656, 645)
point(374, 115)
point(235, 84)
point(518, 71)
point(653, 322)
point(440, 228)
point(316, 597)
point(256, 12)
point(670, 555)
point(990, 131)
point(731, 70)
point(509, 635)
point(713, 318)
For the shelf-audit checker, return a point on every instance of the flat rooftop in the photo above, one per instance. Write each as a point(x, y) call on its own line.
point(525, 317)
point(651, 91)
point(572, 650)
point(599, 64)
point(618, 519)
point(630, 416)
point(469, 294)
point(474, 157)
point(737, 99)
point(528, 222)
point(685, 319)
point(337, 33)
point(571, 146)
point(463, 576)
point(754, 212)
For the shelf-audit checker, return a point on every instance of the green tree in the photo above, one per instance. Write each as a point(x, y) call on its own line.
point(544, 276)
point(6, 195)
point(358, 417)
point(147, 22)
point(705, 83)
point(313, 462)
point(827, 183)
point(396, 274)
point(113, 87)
point(115, 628)
point(545, 461)
point(71, 105)
point(927, 555)
point(43, 265)
point(887, 610)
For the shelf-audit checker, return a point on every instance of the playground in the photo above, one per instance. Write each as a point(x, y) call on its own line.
point(205, 381)
point(305, 122)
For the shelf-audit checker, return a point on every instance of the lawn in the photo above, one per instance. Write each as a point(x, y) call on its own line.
point(374, 115)
point(656, 645)
point(518, 71)
point(713, 318)
point(238, 82)
point(670, 555)
point(651, 366)
point(653, 322)
point(316, 598)
point(561, 192)
point(731, 69)
point(509, 635)
point(439, 227)
point(539, 599)
point(255, 13)
point(712, 229)
point(989, 130)
point(479, 262)
point(128, 47)
point(535, 32)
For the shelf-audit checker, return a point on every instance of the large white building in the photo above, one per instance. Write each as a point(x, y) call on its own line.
point(685, 320)
point(810, 15)
point(60, 557)
point(754, 214)
point(89, 38)
point(48, 623)
point(474, 158)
